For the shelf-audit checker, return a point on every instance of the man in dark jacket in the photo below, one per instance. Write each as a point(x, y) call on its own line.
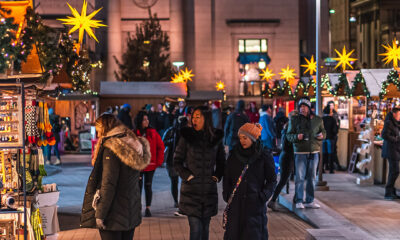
point(391, 150)
point(235, 120)
point(216, 115)
point(280, 121)
point(162, 121)
point(268, 133)
point(124, 115)
point(306, 132)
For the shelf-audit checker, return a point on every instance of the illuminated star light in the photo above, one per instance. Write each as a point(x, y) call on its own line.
point(344, 58)
point(311, 65)
point(267, 74)
point(287, 73)
point(178, 78)
point(187, 75)
point(220, 86)
point(82, 22)
point(392, 54)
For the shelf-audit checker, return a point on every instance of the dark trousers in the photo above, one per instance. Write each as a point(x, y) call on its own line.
point(287, 165)
point(116, 235)
point(393, 174)
point(174, 187)
point(199, 228)
point(147, 178)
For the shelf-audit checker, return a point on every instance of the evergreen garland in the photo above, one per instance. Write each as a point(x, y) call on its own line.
point(267, 91)
point(359, 79)
point(282, 90)
point(8, 49)
point(310, 84)
point(56, 51)
point(300, 85)
point(147, 55)
point(392, 78)
point(325, 81)
point(343, 84)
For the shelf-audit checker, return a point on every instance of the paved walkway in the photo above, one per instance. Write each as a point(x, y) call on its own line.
point(71, 179)
point(363, 206)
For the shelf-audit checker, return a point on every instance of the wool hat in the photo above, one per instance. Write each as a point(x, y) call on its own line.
point(251, 130)
point(304, 101)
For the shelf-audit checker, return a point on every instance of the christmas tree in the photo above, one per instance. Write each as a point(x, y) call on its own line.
point(7, 40)
point(147, 55)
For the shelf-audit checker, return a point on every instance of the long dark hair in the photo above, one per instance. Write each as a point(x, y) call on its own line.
point(107, 122)
point(139, 121)
point(208, 126)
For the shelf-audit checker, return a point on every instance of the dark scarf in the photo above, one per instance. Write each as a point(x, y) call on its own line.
point(249, 155)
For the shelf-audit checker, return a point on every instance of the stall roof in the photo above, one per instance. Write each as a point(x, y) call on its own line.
point(205, 95)
point(142, 89)
point(374, 79)
point(334, 78)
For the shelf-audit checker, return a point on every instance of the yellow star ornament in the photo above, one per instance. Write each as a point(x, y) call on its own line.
point(187, 74)
point(220, 86)
point(82, 22)
point(344, 58)
point(287, 73)
point(311, 65)
point(267, 74)
point(392, 54)
point(177, 79)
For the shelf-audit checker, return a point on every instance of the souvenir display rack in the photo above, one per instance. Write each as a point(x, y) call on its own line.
point(12, 112)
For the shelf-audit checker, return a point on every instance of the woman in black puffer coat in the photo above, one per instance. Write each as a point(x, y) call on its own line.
point(118, 159)
point(199, 160)
point(247, 213)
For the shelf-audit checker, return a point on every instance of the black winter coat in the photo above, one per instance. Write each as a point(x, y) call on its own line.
point(391, 136)
point(331, 127)
point(247, 216)
point(116, 173)
point(280, 121)
point(203, 158)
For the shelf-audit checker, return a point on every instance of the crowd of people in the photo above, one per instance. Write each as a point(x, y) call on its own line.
point(202, 146)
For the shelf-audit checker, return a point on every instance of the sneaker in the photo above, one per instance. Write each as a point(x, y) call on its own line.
point(179, 213)
point(390, 197)
point(57, 162)
point(48, 162)
point(147, 212)
point(312, 205)
point(299, 206)
point(273, 205)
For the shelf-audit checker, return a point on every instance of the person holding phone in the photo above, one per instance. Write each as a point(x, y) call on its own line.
point(306, 131)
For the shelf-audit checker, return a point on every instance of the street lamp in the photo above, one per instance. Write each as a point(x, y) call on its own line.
point(178, 64)
point(321, 185)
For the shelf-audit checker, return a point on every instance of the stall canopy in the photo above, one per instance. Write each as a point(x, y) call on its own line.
point(205, 95)
point(374, 79)
point(142, 89)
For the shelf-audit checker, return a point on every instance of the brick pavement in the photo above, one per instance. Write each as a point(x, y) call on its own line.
point(72, 178)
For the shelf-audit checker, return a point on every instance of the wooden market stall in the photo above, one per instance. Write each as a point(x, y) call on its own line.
point(384, 92)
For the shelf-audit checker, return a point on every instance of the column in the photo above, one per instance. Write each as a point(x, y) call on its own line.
point(114, 38)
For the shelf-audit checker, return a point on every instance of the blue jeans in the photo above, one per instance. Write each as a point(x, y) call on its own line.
point(199, 228)
point(327, 146)
point(306, 168)
point(56, 152)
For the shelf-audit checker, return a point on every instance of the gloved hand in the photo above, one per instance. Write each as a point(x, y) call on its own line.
point(100, 223)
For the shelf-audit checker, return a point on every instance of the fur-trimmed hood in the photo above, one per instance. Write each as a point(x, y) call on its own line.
point(133, 151)
point(192, 136)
